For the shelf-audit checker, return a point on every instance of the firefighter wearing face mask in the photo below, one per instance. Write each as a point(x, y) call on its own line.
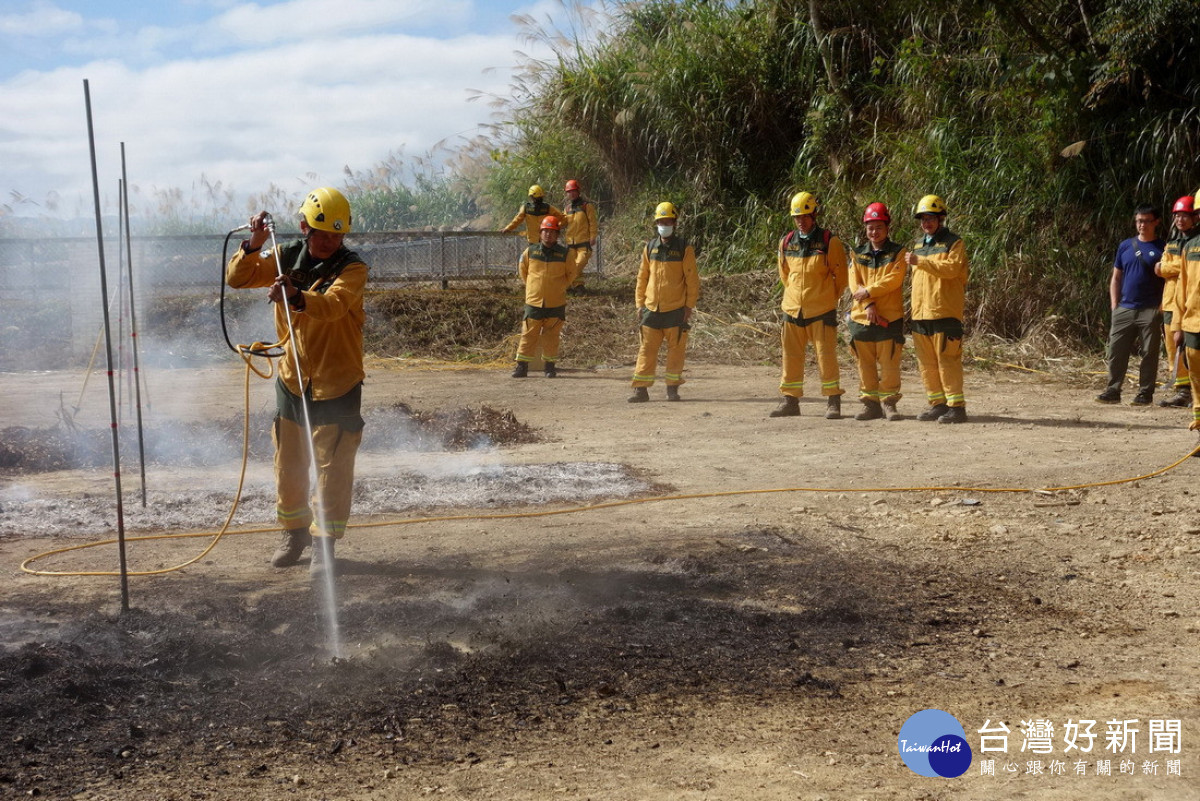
point(937, 260)
point(668, 287)
point(812, 267)
point(532, 212)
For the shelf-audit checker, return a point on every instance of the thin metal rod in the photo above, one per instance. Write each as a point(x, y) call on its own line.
point(112, 397)
point(133, 330)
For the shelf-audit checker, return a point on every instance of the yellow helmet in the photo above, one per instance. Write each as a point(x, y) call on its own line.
point(326, 209)
point(665, 211)
point(930, 204)
point(536, 191)
point(804, 203)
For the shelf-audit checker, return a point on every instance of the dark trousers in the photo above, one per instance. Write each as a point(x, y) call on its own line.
point(1129, 326)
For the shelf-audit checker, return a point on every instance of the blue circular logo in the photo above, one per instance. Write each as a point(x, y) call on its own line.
point(933, 743)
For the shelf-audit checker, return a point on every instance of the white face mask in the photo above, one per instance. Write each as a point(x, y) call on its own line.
point(666, 230)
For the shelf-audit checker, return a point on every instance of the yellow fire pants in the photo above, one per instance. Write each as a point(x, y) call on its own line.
point(647, 360)
point(878, 369)
point(335, 450)
point(824, 341)
point(545, 332)
point(940, 359)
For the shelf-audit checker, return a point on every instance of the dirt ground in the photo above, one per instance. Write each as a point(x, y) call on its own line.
point(762, 632)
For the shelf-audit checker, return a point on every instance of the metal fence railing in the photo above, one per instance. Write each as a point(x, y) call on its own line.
point(62, 274)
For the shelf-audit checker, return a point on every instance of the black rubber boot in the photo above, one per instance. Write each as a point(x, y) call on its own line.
point(673, 393)
point(521, 370)
point(550, 371)
point(788, 407)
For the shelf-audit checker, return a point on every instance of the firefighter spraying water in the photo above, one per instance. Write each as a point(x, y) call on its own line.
point(316, 285)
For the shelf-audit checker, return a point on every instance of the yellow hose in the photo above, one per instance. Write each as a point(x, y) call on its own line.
point(541, 513)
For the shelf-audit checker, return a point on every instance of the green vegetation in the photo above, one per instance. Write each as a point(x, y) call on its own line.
point(1042, 125)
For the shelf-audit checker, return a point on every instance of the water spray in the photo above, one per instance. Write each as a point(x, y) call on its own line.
point(322, 541)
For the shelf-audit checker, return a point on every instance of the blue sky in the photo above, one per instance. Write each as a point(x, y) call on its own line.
point(283, 93)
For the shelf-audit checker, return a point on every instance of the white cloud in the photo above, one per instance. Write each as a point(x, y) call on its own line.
point(320, 19)
point(43, 20)
point(289, 113)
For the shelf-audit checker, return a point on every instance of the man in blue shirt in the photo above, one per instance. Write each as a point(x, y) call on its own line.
point(1136, 295)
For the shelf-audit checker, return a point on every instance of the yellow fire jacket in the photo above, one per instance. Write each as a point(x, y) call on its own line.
point(582, 227)
point(1170, 268)
point(532, 215)
point(882, 274)
point(547, 272)
point(813, 271)
point(1188, 290)
point(668, 279)
point(939, 279)
point(329, 331)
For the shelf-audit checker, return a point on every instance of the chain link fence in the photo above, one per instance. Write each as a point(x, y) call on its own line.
point(50, 288)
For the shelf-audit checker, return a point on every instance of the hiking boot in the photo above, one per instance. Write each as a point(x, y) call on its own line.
point(933, 412)
point(788, 407)
point(833, 408)
point(322, 556)
point(889, 411)
point(872, 410)
point(640, 395)
point(1181, 398)
point(292, 544)
point(521, 370)
point(550, 371)
point(954, 414)
point(673, 393)
point(1142, 399)
point(1109, 396)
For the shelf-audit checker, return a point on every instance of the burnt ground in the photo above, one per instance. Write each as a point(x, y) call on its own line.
point(747, 646)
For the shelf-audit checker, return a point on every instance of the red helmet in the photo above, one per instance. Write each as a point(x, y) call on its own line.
point(549, 223)
point(1186, 204)
point(877, 212)
point(572, 186)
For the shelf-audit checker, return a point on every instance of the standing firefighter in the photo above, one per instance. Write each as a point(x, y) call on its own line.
point(532, 212)
point(877, 316)
point(668, 287)
point(1188, 335)
point(812, 267)
point(938, 259)
point(322, 284)
point(547, 269)
point(583, 230)
point(1183, 215)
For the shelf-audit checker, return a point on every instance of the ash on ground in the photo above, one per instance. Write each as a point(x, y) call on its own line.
point(407, 492)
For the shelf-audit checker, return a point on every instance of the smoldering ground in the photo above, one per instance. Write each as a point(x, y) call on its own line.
point(410, 460)
point(451, 663)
